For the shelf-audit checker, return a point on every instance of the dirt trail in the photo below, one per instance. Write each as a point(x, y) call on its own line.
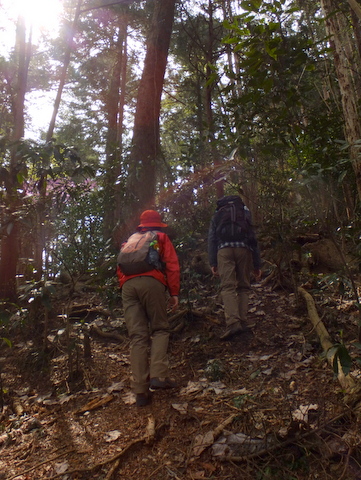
point(270, 389)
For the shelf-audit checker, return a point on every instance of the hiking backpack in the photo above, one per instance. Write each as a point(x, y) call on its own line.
point(139, 254)
point(232, 221)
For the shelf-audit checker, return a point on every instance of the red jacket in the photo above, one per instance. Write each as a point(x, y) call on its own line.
point(170, 277)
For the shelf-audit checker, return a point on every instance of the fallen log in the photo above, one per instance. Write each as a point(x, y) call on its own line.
point(346, 381)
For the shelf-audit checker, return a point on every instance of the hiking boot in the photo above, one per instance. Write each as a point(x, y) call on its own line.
point(142, 399)
point(232, 331)
point(157, 383)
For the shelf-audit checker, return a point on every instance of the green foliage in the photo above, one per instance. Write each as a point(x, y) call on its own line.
point(214, 370)
point(337, 282)
point(340, 358)
point(80, 246)
point(39, 293)
point(241, 400)
point(5, 317)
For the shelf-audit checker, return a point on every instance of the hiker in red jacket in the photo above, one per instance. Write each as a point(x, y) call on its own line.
point(144, 298)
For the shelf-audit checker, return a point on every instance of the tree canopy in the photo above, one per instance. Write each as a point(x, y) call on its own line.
point(169, 105)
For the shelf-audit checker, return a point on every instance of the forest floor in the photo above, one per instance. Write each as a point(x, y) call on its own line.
point(263, 406)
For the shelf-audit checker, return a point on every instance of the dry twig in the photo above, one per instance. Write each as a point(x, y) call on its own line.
point(42, 463)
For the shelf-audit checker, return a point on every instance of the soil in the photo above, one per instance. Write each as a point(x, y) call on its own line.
point(68, 411)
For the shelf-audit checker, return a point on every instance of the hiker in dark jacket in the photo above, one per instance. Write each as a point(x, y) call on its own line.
point(145, 312)
point(233, 254)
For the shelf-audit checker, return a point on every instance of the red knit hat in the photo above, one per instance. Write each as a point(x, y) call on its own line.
point(151, 218)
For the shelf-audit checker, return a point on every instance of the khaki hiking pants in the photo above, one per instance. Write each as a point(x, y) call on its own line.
point(145, 312)
point(234, 267)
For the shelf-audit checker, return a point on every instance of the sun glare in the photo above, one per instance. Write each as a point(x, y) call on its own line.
point(41, 15)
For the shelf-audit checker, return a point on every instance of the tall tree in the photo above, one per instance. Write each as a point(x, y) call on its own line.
point(114, 110)
point(68, 50)
point(10, 240)
point(146, 148)
point(348, 69)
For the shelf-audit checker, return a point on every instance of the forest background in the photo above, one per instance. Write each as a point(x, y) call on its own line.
point(168, 105)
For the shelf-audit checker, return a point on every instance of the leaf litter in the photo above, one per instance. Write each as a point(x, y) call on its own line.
point(254, 399)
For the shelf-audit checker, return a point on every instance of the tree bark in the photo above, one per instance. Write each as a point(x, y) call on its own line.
point(146, 150)
point(114, 113)
point(209, 90)
point(69, 48)
point(10, 242)
point(347, 65)
point(356, 7)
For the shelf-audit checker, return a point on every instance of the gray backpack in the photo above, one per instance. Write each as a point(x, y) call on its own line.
point(140, 254)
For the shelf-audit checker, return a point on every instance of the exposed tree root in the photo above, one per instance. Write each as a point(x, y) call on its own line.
point(351, 388)
point(149, 436)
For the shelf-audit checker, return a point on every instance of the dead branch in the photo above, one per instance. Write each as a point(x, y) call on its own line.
point(95, 403)
point(42, 463)
point(346, 382)
point(113, 336)
point(150, 431)
point(282, 445)
point(203, 441)
point(113, 469)
point(218, 430)
point(178, 315)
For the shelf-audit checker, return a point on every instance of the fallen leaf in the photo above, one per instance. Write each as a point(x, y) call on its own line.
point(301, 413)
point(180, 407)
point(116, 387)
point(61, 467)
point(209, 466)
point(201, 442)
point(129, 398)
point(112, 436)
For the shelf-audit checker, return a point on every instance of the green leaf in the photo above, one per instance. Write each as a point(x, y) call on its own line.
point(268, 84)
point(20, 178)
point(7, 341)
point(340, 357)
point(345, 359)
point(272, 52)
point(342, 176)
point(251, 5)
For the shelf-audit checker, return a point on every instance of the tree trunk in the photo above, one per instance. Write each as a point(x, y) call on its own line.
point(114, 113)
point(146, 136)
point(347, 65)
point(356, 7)
point(10, 241)
point(69, 48)
point(209, 89)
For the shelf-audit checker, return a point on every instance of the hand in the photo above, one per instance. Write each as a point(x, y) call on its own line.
point(215, 271)
point(257, 275)
point(173, 302)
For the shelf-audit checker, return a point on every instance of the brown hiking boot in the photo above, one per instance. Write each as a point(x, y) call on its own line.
point(142, 399)
point(157, 383)
point(232, 331)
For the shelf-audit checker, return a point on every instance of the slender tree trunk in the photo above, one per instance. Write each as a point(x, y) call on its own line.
point(69, 48)
point(118, 184)
point(10, 243)
point(356, 7)
point(209, 91)
point(113, 139)
point(146, 149)
point(347, 65)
